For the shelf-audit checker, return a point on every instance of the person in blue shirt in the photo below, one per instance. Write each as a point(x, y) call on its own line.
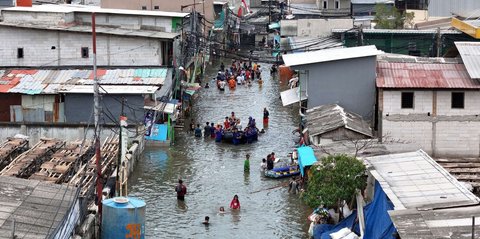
point(219, 134)
point(198, 131)
point(212, 130)
point(236, 137)
point(206, 130)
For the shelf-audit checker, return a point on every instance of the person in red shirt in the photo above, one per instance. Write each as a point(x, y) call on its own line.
point(226, 124)
point(235, 204)
point(181, 190)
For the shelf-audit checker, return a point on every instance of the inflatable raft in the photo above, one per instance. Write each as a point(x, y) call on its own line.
point(244, 138)
point(283, 172)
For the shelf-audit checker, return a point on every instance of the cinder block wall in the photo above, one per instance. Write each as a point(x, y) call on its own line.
point(55, 48)
point(451, 132)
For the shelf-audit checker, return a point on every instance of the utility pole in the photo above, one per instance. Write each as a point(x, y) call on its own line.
point(269, 13)
point(96, 101)
point(120, 150)
point(360, 36)
point(439, 42)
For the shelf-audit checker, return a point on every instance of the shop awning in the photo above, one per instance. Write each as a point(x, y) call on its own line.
point(306, 157)
point(165, 107)
point(292, 96)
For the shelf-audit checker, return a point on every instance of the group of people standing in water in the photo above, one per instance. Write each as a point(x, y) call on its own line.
point(239, 73)
point(231, 129)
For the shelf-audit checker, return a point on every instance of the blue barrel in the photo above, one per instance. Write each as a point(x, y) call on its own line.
point(123, 218)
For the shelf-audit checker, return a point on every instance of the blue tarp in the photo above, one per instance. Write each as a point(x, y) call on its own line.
point(378, 224)
point(306, 157)
point(274, 25)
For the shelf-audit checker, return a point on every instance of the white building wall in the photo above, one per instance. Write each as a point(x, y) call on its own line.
point(392, 102)
point(472, 103)
point(408, 133)
point(51, 18)
point(112, 50)
point(126, 21)
point(458, 138)
point(452, 132)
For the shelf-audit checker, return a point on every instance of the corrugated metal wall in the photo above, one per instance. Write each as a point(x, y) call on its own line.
point(78, 108)
point(444, 8)
point(6, 100)
point(6, 3)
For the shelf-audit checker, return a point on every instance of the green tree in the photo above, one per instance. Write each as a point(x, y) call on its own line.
point(387, 17)
point(336, 179)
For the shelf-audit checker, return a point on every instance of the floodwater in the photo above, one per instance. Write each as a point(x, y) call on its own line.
point(213, 172)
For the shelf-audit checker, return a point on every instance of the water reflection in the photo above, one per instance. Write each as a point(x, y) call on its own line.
point(214, 172)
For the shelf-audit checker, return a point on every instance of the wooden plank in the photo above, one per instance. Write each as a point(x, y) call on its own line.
point(463, 170)
point(460, 165)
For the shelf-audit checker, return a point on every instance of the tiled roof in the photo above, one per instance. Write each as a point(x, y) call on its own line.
point(419, 75)
point(51, 81)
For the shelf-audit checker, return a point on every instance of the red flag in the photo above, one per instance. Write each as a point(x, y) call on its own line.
point(239, 12)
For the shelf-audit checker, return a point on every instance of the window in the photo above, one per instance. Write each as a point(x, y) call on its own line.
point(84, 52)
point(144, 7)
point(337, 4)
point(458, 100)
point(407, 100)
point(325, 4)
point(19, 52)
point(156, 7)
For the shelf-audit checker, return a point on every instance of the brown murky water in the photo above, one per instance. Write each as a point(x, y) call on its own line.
point(213, 173)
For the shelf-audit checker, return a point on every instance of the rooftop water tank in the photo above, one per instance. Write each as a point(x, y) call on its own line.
point(123, 218)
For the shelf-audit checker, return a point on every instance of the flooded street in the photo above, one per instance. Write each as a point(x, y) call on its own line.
point(213, 172)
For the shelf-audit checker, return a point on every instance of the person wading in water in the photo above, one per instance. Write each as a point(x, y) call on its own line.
point(181, 190)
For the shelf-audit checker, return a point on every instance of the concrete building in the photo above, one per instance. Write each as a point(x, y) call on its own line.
point(62, 36)
point(204, 7)
point(313, 27)
point(304, 9)
point(343, 76)
point(434, 105)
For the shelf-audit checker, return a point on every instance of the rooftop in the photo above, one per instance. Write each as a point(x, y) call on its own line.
point(400, 31)
point(37, 207)
point(470, 53)
point(99, 30)
point(301, 44)
point(415, 181)
point(52, 81)
point(424, 76)
point(67, 8)
point(335, 54)
point(373, 1)
point(454, 223)
point(325, 118)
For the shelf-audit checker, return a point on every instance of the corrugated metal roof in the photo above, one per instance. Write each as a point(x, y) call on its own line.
point(302, 44)
point(470, 53)
point(414, 180)
point(329, 55)
point(51, 81)
point(326, 118)
point(418, 75)
point(111, 89)
point(373, 2)
point(400, 31)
